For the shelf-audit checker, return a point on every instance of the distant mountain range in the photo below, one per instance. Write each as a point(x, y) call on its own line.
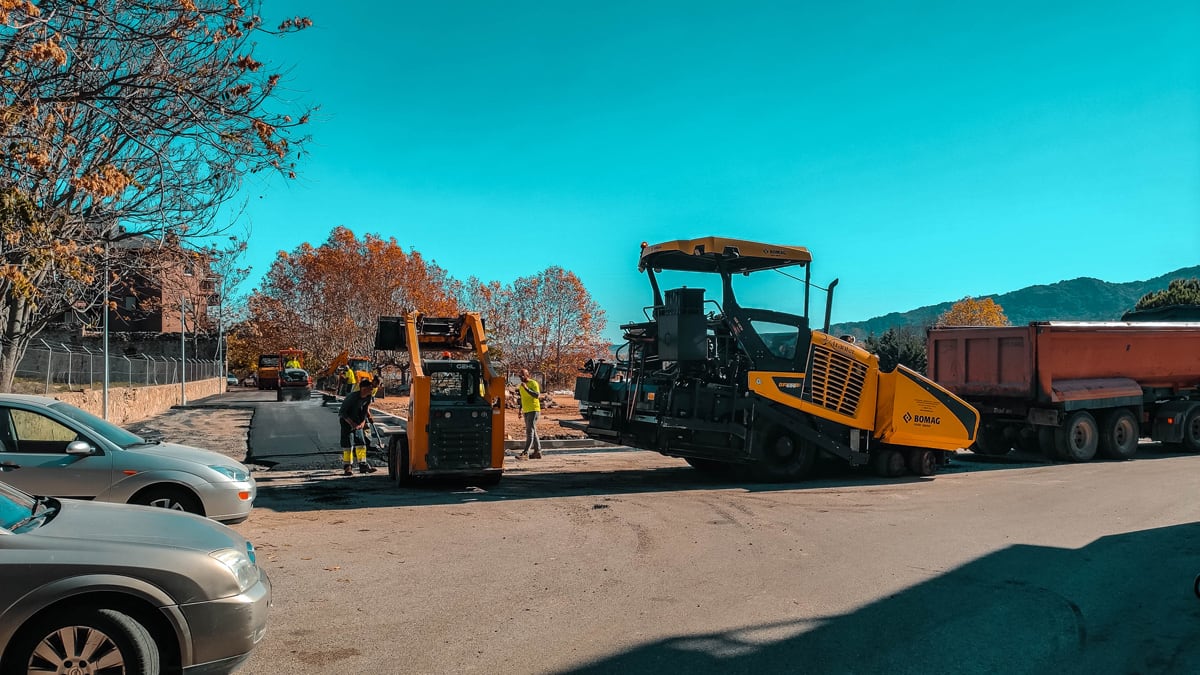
point(1082, 299)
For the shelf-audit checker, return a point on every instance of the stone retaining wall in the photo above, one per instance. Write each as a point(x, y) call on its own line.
point(127, 405)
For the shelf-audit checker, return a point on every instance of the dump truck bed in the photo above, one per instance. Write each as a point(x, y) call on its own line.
point(1058, 360)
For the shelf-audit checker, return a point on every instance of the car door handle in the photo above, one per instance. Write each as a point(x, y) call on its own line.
point(8, 466)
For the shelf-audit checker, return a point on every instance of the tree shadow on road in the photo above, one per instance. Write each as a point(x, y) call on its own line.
point(1122, 604)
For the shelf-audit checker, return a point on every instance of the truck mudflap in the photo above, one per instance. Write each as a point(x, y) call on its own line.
point(917, 412)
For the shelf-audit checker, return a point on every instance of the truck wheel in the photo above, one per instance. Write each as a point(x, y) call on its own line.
point(1027, 440)
point(1119, 435)
point(922, 462)
point(1191, 431)
point(1078, 437)
point(888, 463)
point(785, 458)
point(991, 442)
point(1045, 440)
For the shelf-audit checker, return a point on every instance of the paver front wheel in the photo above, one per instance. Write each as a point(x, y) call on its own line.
point(86, 640)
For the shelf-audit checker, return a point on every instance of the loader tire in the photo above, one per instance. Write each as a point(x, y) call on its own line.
point(399, 460)
point(393, 461)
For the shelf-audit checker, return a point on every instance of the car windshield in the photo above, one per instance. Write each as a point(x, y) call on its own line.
point(15, 506)
point(108, 430)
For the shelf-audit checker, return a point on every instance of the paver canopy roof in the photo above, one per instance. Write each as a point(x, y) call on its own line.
point(719, 254)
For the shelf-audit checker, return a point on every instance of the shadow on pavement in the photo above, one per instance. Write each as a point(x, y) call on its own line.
point(322, 488)
point(1122, 604)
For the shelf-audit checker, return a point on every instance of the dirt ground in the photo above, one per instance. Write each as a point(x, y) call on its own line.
point(565, 407)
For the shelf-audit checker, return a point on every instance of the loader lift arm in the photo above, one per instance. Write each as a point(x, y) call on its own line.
point(456, 405)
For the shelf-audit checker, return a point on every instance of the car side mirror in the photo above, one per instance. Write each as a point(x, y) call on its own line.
point(80, 448)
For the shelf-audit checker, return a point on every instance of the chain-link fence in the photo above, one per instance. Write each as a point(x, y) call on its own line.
point(51, 367)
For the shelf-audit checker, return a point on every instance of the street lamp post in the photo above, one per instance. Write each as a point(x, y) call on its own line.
point(106, 360)
point(182, 349)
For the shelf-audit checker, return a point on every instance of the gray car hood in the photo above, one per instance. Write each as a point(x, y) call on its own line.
point(186, 452)
point(98, 524)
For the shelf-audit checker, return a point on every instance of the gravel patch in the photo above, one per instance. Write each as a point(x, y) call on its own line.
point(222, 430)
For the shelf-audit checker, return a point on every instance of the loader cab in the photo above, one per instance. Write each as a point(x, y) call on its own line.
point(455, 382)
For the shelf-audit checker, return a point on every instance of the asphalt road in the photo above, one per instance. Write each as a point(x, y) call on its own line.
point(290, 435)
point(626, 561)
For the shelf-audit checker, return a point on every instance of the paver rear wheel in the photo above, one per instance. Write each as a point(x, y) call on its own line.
point(888, 463)
point(922, 462)
point(83, 640)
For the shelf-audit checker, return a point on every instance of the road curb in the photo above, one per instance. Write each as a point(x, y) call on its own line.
point(555, 444)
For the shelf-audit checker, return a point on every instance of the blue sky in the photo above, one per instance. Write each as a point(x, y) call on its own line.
point(922, 151)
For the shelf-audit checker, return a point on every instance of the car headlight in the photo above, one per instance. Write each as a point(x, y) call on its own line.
point(241, 564)
point(235, 474)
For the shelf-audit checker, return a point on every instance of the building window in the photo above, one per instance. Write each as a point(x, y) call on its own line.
point(130, 302)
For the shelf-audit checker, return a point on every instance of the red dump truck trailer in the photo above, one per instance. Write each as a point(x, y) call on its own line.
point(1072, 389)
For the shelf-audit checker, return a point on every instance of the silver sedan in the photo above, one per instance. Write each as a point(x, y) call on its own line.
point(95, 588)
point(49, 447)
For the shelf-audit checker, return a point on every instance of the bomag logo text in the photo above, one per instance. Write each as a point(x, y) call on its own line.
point(926, 419)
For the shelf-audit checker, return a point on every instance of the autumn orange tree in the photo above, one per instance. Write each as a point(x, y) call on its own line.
point(122, 120)
point(972, 312)
point(328, 298)
point(547, 322)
